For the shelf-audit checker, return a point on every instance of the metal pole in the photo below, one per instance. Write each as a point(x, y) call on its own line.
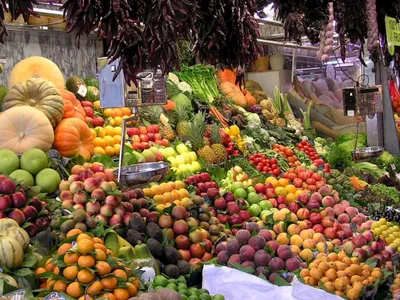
point(286, 44)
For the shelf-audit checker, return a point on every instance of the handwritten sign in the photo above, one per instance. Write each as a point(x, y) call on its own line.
point(392, 33)
point(353, 227)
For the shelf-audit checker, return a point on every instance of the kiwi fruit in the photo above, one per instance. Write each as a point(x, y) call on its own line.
point(67, 226)
point(79, 215)
point(81, 226)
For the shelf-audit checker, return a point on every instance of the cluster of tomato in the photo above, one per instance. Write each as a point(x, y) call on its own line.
point(305, 179)
point(308, 149)
point(288, 153)
point(265, 164)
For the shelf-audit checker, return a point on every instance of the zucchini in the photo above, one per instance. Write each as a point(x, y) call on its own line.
point(289, 129)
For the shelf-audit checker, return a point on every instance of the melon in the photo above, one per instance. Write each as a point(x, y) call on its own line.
point(3, 93)
point(18, 234)
point(73, 84)
point(11, 253)
point(93, 94)
point(91, 81)
point(36, 66)
point(7, 223)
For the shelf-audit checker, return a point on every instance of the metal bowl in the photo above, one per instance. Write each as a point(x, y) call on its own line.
point(367, 153)
point(141, 174)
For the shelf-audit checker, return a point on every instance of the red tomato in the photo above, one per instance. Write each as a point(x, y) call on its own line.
point(264, 162)
point(265, 169)
point(276, 172)
point(307, 174)
point(274, 161)
point(319, 184)
point(274, 167)
point(297, 182)
point(292, 176)
point(316, 177)
point(312, 188)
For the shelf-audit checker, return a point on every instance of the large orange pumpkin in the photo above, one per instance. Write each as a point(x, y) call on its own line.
point(73, 137)
point(227, 75)
point(250, 100)
point(72, 106)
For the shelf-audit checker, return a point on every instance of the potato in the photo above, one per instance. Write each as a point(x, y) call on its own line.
point(168, 294)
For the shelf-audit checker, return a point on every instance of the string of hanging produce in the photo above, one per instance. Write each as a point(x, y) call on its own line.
point(3, 30)
point(22, 7)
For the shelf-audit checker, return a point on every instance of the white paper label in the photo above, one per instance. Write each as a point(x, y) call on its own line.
point(350, 113)
point(82, 91)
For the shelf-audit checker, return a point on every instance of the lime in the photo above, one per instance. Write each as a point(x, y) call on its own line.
point(181, 279)
point(205, 297)
point(160, 280)
point(218, 297)
point(156, 288)
point(9, 161)
point(48, 180)
point(34, 160)
point(23, 177)
point(172, 286)
point(240, 193)
point(193, 297)
point(250, 189)
point(172, 280)
point(183, 292)
point(184, 297)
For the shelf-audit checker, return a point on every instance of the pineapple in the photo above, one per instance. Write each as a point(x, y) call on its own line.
point(154, 115)
point(182, 118)
point(217, 147)
point(196, 131)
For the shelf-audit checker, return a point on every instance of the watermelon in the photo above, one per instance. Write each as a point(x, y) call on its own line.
point(91, 81)
point(3, 93)
point(93, 94)
point(73, 84)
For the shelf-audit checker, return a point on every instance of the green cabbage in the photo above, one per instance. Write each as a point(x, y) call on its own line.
point(182, 100)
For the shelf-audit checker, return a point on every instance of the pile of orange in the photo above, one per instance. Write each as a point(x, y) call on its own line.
point(166, 193)
point(288, 153)
point(337, 273)
point(85, 269)
point(284, 188)
point(107, 140)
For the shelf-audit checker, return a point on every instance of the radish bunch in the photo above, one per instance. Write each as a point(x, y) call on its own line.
point(372, 25)
point(326, 38)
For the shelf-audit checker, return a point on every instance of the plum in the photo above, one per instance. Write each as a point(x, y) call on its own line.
point(261, 258)
point(243, 236)
point(247, 253)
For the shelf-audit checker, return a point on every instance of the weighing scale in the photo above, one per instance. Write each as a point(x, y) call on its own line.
point(150, 91)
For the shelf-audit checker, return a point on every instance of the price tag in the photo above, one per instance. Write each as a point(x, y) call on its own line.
point(207, 199)
point(395, 260)
point(315, 254)
point(82, 91)
point(353, 227)
point(393, 167)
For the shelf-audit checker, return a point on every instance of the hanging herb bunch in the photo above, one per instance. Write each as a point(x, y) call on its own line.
point(3, 30)
point(82, 16)
point(316, 17)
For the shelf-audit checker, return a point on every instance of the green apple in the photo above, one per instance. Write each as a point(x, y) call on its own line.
point(274, 209)
point(183, 168)
point(250, 189)
point(9, 161)
point(265, 204)
point(192, 168)
point(173, 161)
point(48, 180)
point(169, 151)
point(255, 210)
point(180, 160)
point(265, 212)
point(196, 165)
point(236, 185)
point(240, 193)
point(187, 157)
point(182, 148)
point(193, 156)
point(253, 198)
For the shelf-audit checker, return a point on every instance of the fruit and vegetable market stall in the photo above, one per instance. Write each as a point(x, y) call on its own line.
point(198, 184)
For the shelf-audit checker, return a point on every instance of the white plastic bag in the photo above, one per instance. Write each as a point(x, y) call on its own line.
point(237, 285)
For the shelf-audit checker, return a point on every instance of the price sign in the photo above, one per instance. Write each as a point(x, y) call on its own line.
point(326, 248)
point(395, 260)
point(315, 253)
point(392, 33)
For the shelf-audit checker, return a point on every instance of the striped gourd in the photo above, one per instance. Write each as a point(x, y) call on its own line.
point(11, 253)
point(7, 223)
point(18, 234)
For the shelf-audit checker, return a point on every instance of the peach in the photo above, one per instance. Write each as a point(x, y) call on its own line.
point(293, 229)
point(330, 232)
point(325, 190)
point(233, 247)
point(249, 264)
point(292, 264)
point(296, 240)
point(343, 218)
point(265, 233)
point(351, 211)
point(316, 196)
point(276, 264)
point(318, 237)
point(247, 253)
point(223, 257)
point(257, 242)
point(73, 178)
point(273, 245)
point(279, 227)
point(284, 252)
point(328, 201)
point(306, 234)
point(80, 197)
point(303, 213)
point(327, 222)
point(283, 239)
point(339, 209)
point(90, 184)
point(66, 195)
point(76, 169)
point(303, 225)
point(234, 258)
point(309, 244)
point(330, 211)
point(76, 186)
point(243, 236)
point(306, 255)
point(64, 185)
point(261, 258)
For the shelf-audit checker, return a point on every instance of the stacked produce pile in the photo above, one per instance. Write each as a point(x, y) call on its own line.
point(250, 187)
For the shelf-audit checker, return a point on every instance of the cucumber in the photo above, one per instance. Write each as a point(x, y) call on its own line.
point(289, 129)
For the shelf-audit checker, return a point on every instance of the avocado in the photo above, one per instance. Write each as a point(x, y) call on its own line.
point(154, 231)
point(91, 223)
point(155, 247)
point(171, 271)
point(184, 267)
point(67, 226)
point(171, 255)
point(159, 264)
point(134, 237)
point(137, 223)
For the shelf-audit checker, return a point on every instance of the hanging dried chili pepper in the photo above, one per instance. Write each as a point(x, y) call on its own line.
point(3, 30)
point(82, 16)
point(22, 7)
point(211, 31)
point(166, 22)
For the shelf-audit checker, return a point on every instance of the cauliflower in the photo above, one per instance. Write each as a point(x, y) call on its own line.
point(253, 120)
